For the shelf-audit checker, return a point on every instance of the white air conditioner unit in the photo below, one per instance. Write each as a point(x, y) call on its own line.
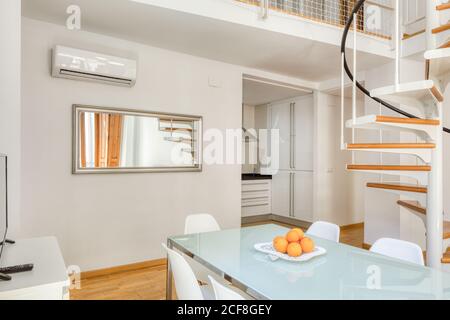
point(90, 66)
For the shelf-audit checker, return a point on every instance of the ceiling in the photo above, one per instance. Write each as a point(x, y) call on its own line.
point(201, 36)
point(258, 93)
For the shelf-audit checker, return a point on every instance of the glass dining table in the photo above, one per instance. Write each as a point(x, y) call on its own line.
point(343, 272)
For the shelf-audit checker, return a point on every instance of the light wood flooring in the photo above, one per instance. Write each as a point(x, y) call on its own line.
point(150, 283)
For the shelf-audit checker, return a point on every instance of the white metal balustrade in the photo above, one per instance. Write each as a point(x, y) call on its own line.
point(375, 18)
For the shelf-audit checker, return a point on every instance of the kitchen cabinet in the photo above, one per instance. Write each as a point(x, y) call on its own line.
point(303, 133)
point(280, 118)
point(302, 195)
point(281, 193)
point(292, 179)
point(256, 197)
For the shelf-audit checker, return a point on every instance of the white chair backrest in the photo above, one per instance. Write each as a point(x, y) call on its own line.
point(399, 249)
point(223, 293)
point(325, 230)
point(198, 223)
point(185, 281)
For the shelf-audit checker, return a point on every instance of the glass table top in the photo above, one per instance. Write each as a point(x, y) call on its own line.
point(344, 272)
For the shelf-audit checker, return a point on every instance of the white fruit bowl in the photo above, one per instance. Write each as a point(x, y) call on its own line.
point(268, 248)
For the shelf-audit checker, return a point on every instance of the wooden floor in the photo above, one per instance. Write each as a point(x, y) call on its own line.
point(149, 283)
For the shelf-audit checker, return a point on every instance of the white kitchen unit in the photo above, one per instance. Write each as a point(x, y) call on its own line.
point(47, 281)
point(256, 197)
point(292, 181)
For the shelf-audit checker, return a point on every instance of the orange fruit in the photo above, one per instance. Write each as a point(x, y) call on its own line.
point(307, 245)
point(281, 245)
point(276, 239)
point(292, 236)
point(300, 232)
point(294, 249)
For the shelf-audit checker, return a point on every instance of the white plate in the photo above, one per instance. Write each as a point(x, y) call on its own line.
point(268, 248)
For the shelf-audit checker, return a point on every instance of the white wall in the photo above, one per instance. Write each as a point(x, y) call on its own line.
point(114, 219)
point(10, 26)
point(335, 196)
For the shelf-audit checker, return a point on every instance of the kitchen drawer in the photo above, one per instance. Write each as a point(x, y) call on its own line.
point(255, 202)
point(256, 197)
point(255, 194)
point(255, 185)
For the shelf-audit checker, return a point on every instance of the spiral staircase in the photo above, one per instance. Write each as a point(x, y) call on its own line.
point(424, 198)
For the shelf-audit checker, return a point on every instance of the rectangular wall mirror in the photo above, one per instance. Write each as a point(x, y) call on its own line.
point(107, 140)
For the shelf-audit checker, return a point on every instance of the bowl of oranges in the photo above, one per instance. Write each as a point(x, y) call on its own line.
point(293, 246)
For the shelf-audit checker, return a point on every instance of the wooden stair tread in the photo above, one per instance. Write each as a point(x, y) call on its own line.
point(407, 36)
point(419, 91)
point(407, 120)
point(437, 94)
point(413, 205)
point(441, 28)
point(446, 257)
point(388, 167)
point(176, 129)
point(391, 146)
point(398, 186)
point(446, 228)
point(443, 6)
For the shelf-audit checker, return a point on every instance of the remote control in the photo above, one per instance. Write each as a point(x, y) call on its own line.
point(17, 269)
point(4, 277)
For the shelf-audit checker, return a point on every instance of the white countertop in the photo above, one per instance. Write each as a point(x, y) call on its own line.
point(44, 253)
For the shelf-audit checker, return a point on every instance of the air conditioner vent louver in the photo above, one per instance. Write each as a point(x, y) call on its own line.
point(78, 64)
point(91, 76)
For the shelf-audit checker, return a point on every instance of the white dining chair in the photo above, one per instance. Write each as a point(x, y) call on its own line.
point(186, 283)
point(198, 223)
point(221, 292)
point(400, 249)
point(325, 230)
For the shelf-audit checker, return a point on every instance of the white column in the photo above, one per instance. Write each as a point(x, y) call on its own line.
point(435, 208)
point(10, 105)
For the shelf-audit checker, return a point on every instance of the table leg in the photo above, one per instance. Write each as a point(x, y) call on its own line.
point(169, 275)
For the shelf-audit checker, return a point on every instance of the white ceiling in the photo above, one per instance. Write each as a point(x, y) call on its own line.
point(201, 36)
point(258, 93)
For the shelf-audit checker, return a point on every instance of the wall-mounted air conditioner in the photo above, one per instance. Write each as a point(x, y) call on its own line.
point(90, 66)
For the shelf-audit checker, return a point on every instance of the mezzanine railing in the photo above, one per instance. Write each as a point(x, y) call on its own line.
point(375, 18)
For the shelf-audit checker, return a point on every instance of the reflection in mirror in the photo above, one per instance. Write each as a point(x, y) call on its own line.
point(114, 140)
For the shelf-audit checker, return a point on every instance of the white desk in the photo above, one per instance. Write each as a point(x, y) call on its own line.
point(47, 281)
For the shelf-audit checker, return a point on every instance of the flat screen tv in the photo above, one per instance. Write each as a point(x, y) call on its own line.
point(3, 203)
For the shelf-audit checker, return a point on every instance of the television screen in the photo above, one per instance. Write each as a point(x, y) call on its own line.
point(3, 207)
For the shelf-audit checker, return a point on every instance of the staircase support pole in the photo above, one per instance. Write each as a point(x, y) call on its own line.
point(432, 21)
point(397, 44)
point(435, 208)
